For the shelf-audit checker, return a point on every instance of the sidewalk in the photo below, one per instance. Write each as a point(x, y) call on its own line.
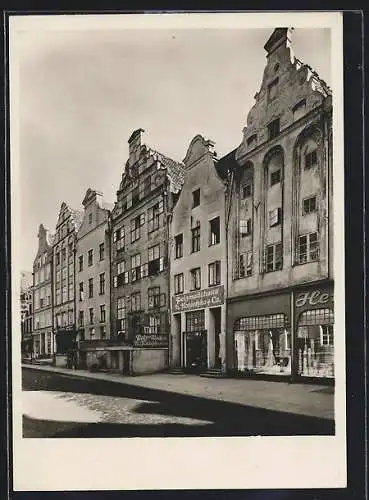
point(300, 399)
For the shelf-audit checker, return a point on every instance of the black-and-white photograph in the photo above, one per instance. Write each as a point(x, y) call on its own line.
point(178, 229)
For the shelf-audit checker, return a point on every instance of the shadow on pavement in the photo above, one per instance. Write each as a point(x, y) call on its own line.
point(227, 419)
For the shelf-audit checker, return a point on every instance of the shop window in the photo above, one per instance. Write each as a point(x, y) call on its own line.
point(247, 190)
point(135, 267)
point(178, 283)
point(311, 159)
point(214, 273)
point(308, 248)
point(102, 251)
point(135, 301)
point(195, 239)
point(90, 288)
point(275, 217)
point(195, 198)
point(314, 343)
point(245, 265)
point(90, 258)
point(273, 129)
point(214, 236)
point(309, 205)
point(195, 277)
point(80, 263)
point(195, 321)
point(275, 177)
point(179, 246)
point(154, 216)
point(273, 257)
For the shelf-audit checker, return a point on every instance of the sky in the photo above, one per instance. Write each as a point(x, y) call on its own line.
point(82, 93)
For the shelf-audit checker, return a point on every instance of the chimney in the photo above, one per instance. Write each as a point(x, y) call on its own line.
point(135, 141)
point(279, 37)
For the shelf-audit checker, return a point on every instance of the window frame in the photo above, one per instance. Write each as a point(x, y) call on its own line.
point(216, 239)
point(195, 278)
point(214, 273)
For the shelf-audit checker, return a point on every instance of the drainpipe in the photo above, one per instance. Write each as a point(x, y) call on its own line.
point(168, 245)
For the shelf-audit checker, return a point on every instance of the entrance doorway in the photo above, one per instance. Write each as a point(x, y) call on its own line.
point(216, 316)
point(195, 351)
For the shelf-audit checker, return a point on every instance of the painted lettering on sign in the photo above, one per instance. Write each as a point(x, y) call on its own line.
point(313, 298)
point(198, 299)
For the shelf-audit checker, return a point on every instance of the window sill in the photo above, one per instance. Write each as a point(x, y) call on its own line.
point(214, 284)
point(214, 244)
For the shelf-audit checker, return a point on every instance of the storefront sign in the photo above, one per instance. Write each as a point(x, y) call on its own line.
point(199, 299)
point(151, 340)
point(312, 298)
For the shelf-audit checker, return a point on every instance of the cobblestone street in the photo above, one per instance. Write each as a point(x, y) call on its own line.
point(102, 405)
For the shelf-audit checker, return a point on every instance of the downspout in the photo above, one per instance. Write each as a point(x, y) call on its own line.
point(168, 245)
point(229, 190)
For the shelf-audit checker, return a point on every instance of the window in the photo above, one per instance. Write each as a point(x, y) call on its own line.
point(102, 313)
point(70, 250)
point(70, 317)
point(136, 224)
point(245, 265)
point(214, 238)
point(121, 313)
point(195, 239)
point(214, 273)
point(81, 319)
point(247, 190)
point(102, 284)
point(273, 128)
point(195, 275)
point(147, 185)
point(251, 141)
point(58, 258)
point(63, 254)
point(273, 255)
point(135, 301)
point(64, 294)
point(275, 217)
point(153, 323)
point(71, 290)
point(179, 246)
point(267, 322)
point(90, 257)
point(299, 110)
point(275, 177)
point(155, 262)
point(118, 239)
point(154, 216)
point(135, 267)
point(155, 299)
point(178, 283)
point(272, 89)
point(90, 288)
point(195, 321)
point(135, 196)
point(308, 248)
point(90, 218)
point(81, 291)
point(103, 332)
point(92, 333)
point(58, 297)
point(91, 314)
point(245, 227)
point(102, 251)
point(80, 263)
point(311, 159)
point(196, 198)
point(309, 205)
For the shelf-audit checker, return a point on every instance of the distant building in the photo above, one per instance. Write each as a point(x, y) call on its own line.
point(198, 263)
point(26, 304)
point(139, 260)
point(43, 341)
point(93, 277)
point(64, 323)
point(280, 234)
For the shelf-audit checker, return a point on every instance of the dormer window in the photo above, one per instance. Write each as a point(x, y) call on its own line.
point(252, 141)
point(299, 110)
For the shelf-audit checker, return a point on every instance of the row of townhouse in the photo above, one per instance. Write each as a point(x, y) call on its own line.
point(209, 264)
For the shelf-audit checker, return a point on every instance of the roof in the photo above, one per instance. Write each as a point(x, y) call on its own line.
point(175, 170)
point(224, 164)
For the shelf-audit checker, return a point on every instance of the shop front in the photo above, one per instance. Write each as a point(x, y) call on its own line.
point(261, 340)
point(197, 325)
point(314, 349)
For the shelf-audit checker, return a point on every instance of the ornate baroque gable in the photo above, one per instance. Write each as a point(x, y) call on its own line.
point(287, 86)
